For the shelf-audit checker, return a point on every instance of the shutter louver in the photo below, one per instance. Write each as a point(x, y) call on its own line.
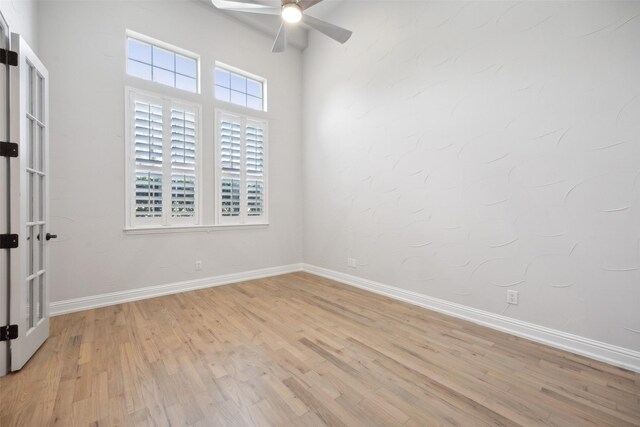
point(230, 158)
point(148, 160)
point(183, 163)
point(255, 170)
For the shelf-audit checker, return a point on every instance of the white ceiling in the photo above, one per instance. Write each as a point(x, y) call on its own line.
point(269, 24)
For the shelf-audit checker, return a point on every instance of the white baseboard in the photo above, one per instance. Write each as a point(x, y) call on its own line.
point(103, 300)
point(614, 355)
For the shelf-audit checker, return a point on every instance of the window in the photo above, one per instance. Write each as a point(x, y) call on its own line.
point(241, 155)
point(161, 63)
point(240, 88)
point(163, 144)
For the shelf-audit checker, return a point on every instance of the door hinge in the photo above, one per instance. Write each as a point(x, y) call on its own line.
point(8, 149)
point(8, 57)
point(8, 332)
point(8, 241)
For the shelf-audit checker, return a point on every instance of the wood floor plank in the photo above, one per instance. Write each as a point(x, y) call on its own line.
point(300, 350)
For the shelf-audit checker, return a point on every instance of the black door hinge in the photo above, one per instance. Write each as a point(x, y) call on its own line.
point(8, 332)
point(8, 149)
point(8, 57)
point(8, 241)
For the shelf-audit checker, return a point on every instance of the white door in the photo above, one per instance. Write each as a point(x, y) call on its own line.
point(4, 194)
point(29, 296)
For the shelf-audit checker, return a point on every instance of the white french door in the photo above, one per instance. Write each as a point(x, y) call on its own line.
point(29, 287)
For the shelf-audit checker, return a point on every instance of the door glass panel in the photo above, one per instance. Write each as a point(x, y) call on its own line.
point(40, 244)
point(35, 250)
point(39, 155)
point(36, 300)
point(40, 90)
point(31, 196)
point(28, 312)
point(30, 242)
point(30, 89)
point(31, 141)
point(41, 193)
point(41, 302)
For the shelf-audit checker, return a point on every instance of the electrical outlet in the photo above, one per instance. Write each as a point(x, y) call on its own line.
point(351, 262)
point(512, 297)
point(198, 265)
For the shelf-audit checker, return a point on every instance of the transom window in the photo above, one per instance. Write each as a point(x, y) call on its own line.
point(161, 63)
point(240, 88)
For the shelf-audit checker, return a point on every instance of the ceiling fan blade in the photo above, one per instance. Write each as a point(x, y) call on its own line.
point(306, 4)
point(267, 3)
point(245, 7)
point(338, 34)
point(280, 44)
point(265, 11)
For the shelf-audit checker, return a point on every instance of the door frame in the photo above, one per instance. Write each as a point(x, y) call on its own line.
point(5, 226)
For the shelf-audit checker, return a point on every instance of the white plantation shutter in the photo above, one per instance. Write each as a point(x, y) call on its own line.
point(148, 159)
point(164, 144)
point(240, 169)
point(230, 165)
point(183, 163)
point(254, 160)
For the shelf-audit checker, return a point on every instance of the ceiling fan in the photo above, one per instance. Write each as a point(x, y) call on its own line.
point(291, 11)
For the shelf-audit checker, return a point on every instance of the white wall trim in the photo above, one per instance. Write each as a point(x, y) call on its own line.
point(614, 355)
point(102, 300)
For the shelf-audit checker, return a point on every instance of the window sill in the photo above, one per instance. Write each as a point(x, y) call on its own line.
point(192, 228)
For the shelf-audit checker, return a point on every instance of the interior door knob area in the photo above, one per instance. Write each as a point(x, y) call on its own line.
point(47, 236)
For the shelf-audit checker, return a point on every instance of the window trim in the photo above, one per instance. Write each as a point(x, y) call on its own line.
point(193, 228)
point(246, 74)
point(244, 219)
point(167, 46)
point(166, 221)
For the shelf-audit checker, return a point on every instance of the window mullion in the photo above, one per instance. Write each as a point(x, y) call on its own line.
point(131, 158)
point(217, 155)
point(166, 162)
point(243, 171)
point(198, 173)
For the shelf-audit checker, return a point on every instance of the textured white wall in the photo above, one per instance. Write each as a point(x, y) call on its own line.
point(462, 149)
point(82, 44)
point(21, 15)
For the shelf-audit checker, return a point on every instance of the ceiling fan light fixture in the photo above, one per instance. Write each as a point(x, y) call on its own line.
point(291, 13)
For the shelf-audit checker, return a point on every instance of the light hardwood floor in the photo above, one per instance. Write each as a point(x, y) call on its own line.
point(299, 350)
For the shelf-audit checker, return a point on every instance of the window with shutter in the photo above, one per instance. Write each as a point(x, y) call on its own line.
point(241, 169)
point(163, 157)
